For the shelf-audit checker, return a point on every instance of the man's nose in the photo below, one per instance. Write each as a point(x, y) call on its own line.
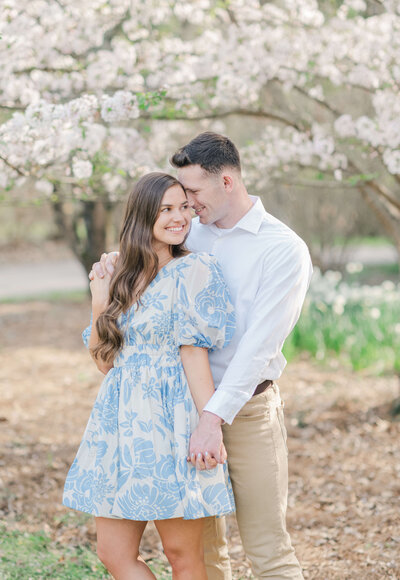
point(190, 199)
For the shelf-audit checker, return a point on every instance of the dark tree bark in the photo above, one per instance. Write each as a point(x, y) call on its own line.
point(85, 228)
point(91, 242)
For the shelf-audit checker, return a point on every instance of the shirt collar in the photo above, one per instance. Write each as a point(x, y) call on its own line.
point(250, 222)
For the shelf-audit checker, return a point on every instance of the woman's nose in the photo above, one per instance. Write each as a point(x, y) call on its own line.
point(177, 217)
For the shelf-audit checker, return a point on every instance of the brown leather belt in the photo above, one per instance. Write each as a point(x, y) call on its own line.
point(262, 387)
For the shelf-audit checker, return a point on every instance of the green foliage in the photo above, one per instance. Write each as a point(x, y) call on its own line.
point(154, 98)
point(355, 180)
point(361, 334)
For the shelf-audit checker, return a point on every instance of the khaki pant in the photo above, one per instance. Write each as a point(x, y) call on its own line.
point(257, 459)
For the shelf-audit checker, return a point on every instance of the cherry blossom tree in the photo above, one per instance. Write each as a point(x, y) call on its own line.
point(89, 93)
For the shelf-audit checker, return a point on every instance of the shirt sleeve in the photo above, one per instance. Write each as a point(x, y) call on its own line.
point(87, 332)
point(204, 309)
point(274, 313)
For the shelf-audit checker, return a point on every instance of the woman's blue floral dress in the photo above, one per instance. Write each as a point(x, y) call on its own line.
point(132, 460)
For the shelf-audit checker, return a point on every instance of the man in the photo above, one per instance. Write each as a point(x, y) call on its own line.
point(268, 270)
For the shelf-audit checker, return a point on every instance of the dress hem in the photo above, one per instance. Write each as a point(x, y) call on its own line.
point(115, 517)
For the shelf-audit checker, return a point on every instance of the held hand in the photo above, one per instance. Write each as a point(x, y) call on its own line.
point(106, 265)
point(207, 462)
point(207, 437)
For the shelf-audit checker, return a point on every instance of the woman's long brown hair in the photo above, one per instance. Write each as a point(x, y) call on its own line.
point(138, 263)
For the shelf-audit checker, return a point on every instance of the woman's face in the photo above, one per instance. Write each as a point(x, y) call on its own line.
point(174, 218)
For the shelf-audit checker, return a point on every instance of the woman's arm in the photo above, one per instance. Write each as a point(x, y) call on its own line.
point(100, 288)
point(201, 384)
point(198, 373)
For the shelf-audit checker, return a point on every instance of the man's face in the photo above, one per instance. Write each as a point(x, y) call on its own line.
point(206, 193)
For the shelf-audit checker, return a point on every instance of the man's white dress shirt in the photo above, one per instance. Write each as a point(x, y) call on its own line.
point(268, 269)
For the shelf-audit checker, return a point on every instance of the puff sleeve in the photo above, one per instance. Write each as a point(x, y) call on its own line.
point(87, 332)
point(204, 311)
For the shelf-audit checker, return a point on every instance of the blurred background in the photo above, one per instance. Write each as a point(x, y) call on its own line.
point(94, 96)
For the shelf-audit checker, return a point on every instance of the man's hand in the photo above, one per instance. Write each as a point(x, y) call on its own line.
point(106, 264)
point(206, 447)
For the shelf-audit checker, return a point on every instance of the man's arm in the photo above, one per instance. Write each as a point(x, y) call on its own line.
point(274, 313)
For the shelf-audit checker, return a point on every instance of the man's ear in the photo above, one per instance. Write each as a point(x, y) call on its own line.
point(228, 182)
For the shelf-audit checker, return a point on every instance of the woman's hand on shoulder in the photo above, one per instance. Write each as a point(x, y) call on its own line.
point(100, 289)
point(106, 265)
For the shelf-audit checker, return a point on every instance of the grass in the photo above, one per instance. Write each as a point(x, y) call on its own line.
point(373, 274)
point(25, 556)
point(55, 296)
point(375, 241)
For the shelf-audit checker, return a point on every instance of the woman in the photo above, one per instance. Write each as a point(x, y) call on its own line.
point(152, 326)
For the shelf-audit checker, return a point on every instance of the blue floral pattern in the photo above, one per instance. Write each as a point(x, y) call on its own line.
point(132, 459)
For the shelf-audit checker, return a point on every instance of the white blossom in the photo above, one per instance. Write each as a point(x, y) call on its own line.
point(82, 169)
point(344, 126)
point(121, 106)
point(44, 186)
point(392, 161)
point(77, 72)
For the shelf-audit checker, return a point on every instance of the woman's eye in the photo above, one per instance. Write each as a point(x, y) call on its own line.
point(165, 210)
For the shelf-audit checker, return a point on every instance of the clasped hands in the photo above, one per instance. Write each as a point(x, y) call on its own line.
point(207, 436)
point(206, 448)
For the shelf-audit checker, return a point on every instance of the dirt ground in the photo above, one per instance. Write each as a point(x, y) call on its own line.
point(344, 458)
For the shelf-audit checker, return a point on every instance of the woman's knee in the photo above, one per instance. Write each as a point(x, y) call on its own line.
point(105, 554)
point(181, 558)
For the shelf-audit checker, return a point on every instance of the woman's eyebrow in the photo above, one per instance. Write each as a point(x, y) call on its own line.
point(172, 205)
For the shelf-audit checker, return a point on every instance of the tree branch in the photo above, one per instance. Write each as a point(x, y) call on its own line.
point(107, 37)
point(385, 220)
point(45, 69)
point(12, 108)
point(323, 104)
point(259, 114)
point(13, 167)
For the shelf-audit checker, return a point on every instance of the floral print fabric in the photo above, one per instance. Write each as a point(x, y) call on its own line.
point(132, 459)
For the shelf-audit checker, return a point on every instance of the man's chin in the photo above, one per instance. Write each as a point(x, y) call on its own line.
point(204, 220)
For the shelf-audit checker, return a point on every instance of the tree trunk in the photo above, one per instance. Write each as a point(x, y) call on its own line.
point(84, 227)
point(384, 218)
point(91, 242)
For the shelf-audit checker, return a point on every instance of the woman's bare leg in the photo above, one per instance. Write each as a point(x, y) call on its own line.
point(118, 548)
point(183, 545)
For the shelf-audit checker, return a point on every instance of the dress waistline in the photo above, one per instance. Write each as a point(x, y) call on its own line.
point(137, 354)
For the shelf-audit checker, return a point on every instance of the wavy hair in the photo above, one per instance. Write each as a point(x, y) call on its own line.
point(137, 264)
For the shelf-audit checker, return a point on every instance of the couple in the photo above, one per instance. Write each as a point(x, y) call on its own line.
point(157, 439)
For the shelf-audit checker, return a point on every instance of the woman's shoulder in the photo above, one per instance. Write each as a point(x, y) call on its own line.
point(199, 265)
point(196, 260)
